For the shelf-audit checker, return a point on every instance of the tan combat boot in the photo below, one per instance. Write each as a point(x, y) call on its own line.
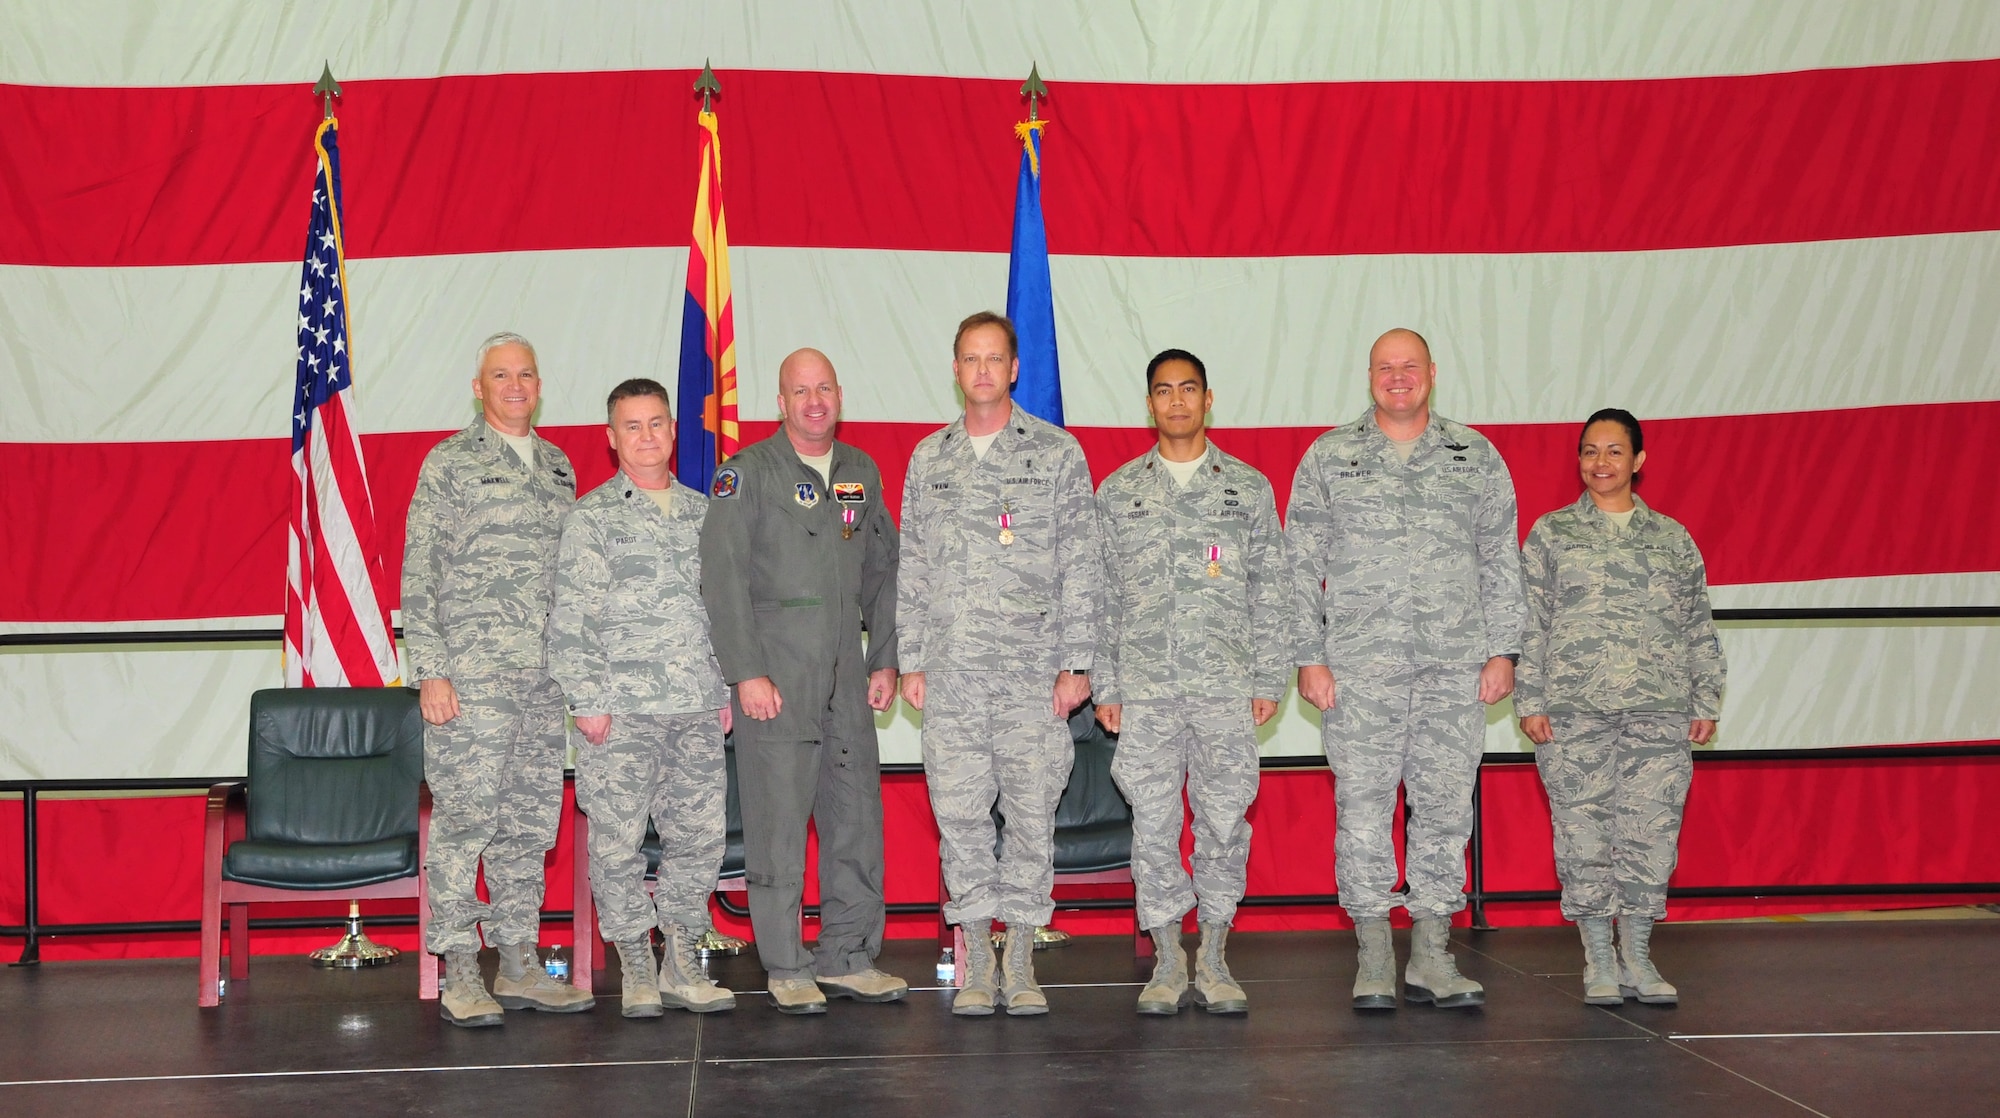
point(683, 984)
point(1167, 991)
point(1637, 976)
point(797, 996)
point(982, 984)
point(464, 1001)
point(1600, 962)
point(1432, 976)
point(1214, 988)
point(869, 984)
point(639, 994)
point(1375, 980)
point(523, 984)
point(1017, 974)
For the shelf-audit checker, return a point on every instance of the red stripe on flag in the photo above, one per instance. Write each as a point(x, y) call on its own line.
point(134, 531)
point(192, 175)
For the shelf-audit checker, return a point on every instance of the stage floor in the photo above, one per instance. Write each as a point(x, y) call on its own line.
point(1776, 1018)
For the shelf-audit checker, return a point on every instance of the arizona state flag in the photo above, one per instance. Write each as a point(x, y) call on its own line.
point(706, 430)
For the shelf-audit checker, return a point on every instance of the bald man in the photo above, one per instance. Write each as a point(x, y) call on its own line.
point(798, 557)
point(1408, 597)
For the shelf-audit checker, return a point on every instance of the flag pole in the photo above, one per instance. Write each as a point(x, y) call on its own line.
point(1030, 296)
point(353, 949)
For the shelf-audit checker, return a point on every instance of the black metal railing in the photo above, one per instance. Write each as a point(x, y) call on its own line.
point(32, 930)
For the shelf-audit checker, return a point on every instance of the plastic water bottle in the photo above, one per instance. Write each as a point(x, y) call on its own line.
point(947, 969)
point(556, 963)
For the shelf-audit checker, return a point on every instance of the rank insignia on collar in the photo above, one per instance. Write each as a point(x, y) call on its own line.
point(850, 492)
point(725, 483)
point(806, 494)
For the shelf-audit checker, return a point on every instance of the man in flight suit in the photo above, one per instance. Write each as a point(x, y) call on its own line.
point(798, 555)
point(1193, 655)
point(1410, 616)
point(478, 570)
point(628, 641)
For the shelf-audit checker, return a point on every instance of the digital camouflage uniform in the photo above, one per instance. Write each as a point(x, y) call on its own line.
point(1422, 585)
point(478, 568)
point(991, 625)
point(628, 637)
point(1621, 654)
point(1185, 652)
point(789, 593)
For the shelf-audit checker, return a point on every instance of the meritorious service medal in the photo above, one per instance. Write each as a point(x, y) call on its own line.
point(846, 524)
point(1006, 527)
point(1215, 561)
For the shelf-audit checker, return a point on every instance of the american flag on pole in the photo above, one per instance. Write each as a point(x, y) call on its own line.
point(337, 630)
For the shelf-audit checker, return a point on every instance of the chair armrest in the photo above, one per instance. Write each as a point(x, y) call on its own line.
point(225, 807)
point(423, 822)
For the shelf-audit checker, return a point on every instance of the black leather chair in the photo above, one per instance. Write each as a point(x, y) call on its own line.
point(1093, 838)
point(590, 951)
point(1093, 821)
point(334, 805)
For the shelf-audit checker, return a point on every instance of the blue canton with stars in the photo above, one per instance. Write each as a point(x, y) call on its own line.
point(323, 363)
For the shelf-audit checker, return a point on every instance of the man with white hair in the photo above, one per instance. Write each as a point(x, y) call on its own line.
point(478, 574)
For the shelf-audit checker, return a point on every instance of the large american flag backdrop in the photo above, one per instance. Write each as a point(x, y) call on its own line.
point(1772, 230)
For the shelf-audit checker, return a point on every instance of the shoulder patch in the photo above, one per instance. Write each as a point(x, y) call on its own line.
point(725, 484)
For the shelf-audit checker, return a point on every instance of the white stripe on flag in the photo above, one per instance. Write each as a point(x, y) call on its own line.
point(1522, 338)
point(228, 42)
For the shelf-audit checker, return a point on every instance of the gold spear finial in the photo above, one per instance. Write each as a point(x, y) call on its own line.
point(1033, 88)
point(706, 85)
point(327, 89)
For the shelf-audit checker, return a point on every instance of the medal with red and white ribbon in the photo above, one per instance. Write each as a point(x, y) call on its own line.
point(1006, 526)
point(1215, 560)
point(846, 524)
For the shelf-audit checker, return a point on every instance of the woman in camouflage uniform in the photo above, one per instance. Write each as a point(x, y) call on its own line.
point(1620, 670)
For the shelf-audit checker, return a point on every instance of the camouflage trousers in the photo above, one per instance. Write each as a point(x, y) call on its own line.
point(1616, 785)
point(496, 779)
point(993, 737)
point(1208, 746)
point(669, 768)
point(1423, 727)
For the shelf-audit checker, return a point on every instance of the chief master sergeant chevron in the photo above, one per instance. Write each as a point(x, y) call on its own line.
point(1410, 610)
point(628, 641)
point(478, 569)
